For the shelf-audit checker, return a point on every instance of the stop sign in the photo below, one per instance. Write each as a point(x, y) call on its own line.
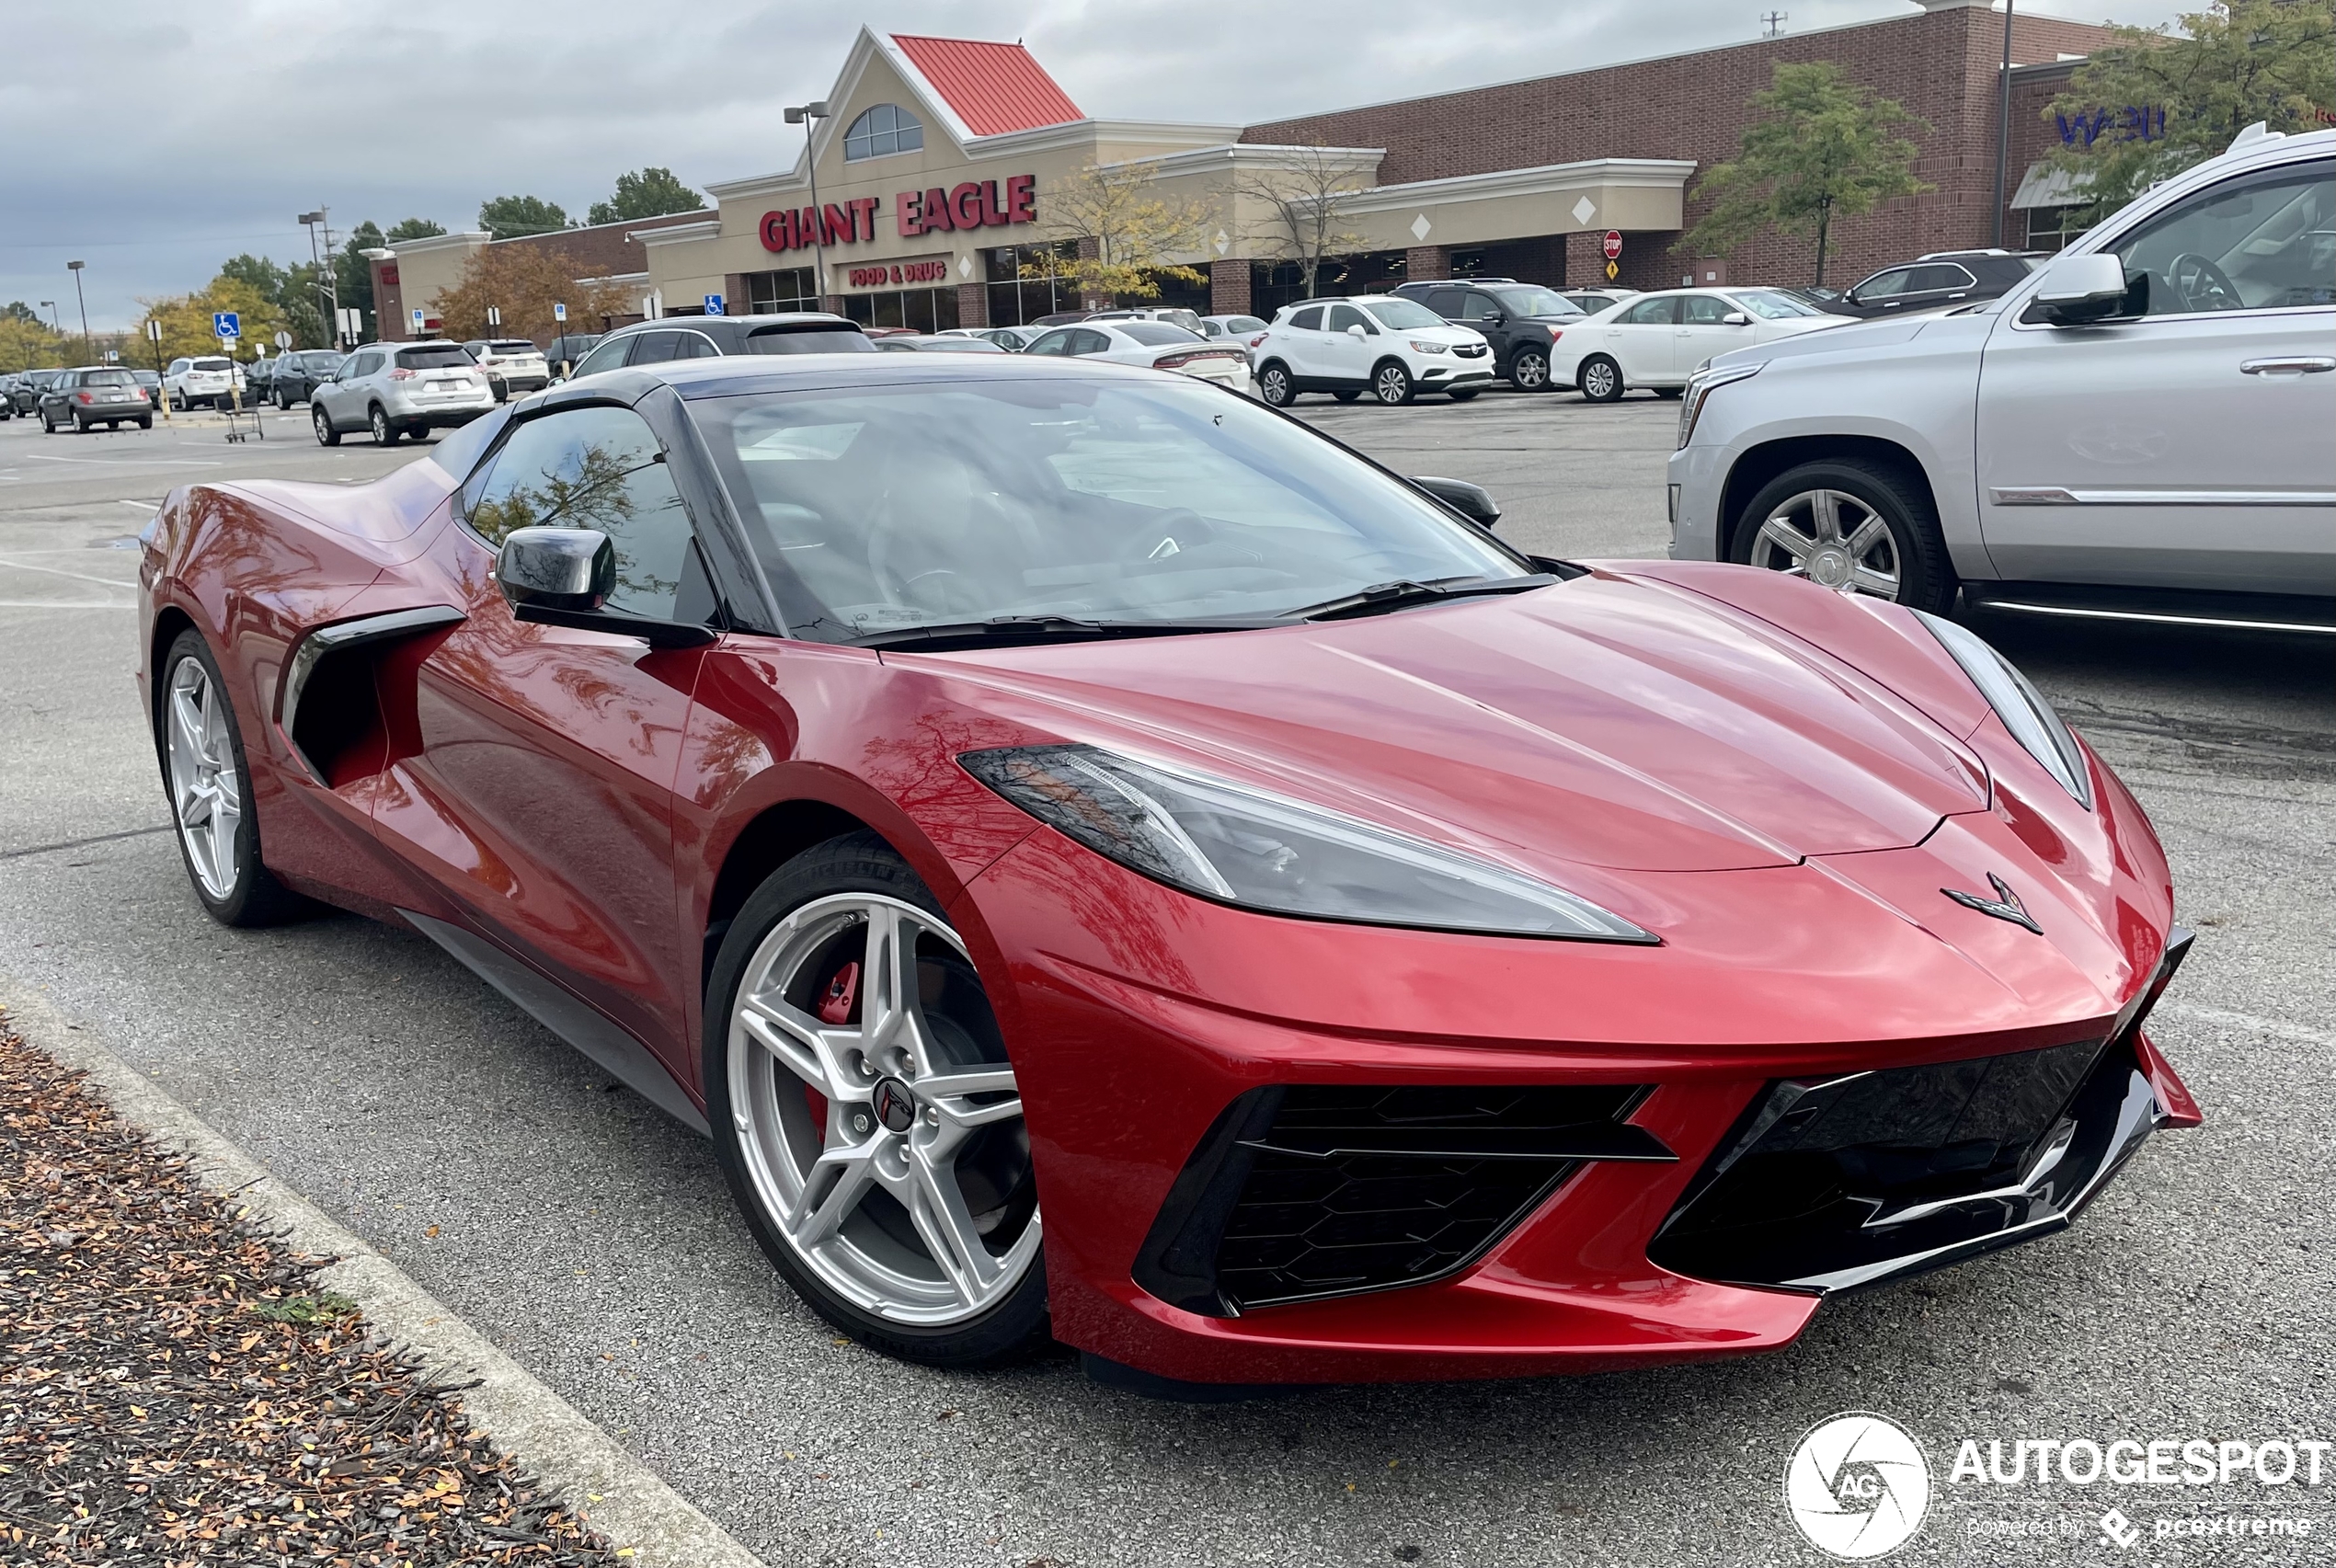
point(1613, 244)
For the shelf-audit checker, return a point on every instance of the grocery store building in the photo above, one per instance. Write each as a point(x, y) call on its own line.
point(925, 190)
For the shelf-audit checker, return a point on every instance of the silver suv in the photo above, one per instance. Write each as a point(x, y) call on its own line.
point(2140, 429)
point(399, 389)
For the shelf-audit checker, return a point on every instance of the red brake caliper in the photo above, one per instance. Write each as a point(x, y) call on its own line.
point(835, 1007)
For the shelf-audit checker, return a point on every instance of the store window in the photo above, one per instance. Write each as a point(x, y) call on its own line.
point(2052, 228)
point(883, 131)
point(1027, 282)
point(919, 310)
point(791, 288)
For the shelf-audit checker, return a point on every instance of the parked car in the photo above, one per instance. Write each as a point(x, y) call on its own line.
point(26, 395)
point(1593, 300)
point(711, 337)
point(152, 381)
point(1393, 349)
point(94, 395)
point(1012, 339)
point(1655, 341)
point(1942, 278)
point(1160, 344)
point(209, 379)
point(260, 379)
point(938, 343)
point(1063, 835)
point(1175, 316)
point(514, 364)
point(8, 396)
point(2140, 428)
point(399, 389)
point(297, 374)
point(568, 349)
point(1242, 328)
point(1521, 321)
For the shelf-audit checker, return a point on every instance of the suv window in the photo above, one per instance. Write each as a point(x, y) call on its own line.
point(1344, 316)
point(1479, 307)
point(1941, 275)
point(1883, 285)
point(1307, 320)
point(593, 468)
point(367, 364)
point(606, 355)
point(1650, 313)
point(2256, 242)
point(1446, 303)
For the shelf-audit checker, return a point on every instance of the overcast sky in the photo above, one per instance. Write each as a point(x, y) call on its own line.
point(154, 139)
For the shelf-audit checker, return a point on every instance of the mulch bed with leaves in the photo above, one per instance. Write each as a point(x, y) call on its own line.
point(174, 1388)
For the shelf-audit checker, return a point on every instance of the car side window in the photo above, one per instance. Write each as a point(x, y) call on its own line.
point(1481, 307)
point(1053, 344)
point(1703, 310)
point(1446, 303)
point(605, 356)
point(1939, 276)
point(1307, 320)
point(1344, 316)
point(654, 349)
point(2256, 242)
point(1650, 313)
point(597, 467)
point(1087, 340)
point(1885, 286)
point(363, 366)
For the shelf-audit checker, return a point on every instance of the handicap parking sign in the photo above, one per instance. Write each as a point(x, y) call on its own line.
point(226, 323)
point(714, 304)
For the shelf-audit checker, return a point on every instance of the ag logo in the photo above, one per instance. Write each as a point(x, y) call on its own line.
point(1857, 1487)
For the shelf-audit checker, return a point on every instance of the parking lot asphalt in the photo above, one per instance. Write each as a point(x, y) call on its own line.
point(594, 1241)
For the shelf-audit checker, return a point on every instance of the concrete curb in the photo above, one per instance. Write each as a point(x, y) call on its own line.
point(634, 1508)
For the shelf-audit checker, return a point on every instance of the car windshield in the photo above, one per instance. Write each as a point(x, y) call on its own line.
point(953, 502)
point(1773, 305)
point(1156, 334)
point(436, 356)
point(208, 365)
point(1403, 315)
point(1530, 299)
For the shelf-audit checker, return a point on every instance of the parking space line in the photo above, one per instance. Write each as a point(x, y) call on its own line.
point(131, 462)
point(63, 604)
point(77, 576)
point(2256, 1022)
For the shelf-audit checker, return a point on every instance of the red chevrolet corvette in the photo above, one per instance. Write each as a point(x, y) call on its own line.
point(1101, 858)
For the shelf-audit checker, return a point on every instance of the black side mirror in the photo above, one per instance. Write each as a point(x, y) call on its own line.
point(1473, 502)
point(562, 576)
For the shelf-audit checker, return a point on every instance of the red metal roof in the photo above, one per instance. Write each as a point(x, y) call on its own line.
point(993, 87)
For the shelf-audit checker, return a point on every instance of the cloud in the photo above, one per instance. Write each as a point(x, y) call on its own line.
point(196, 132)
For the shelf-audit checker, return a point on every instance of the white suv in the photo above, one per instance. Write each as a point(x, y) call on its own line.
point(209, 379)
point(399, 389)
point(2143, 424)
point(515, 363)
point(1393, 349)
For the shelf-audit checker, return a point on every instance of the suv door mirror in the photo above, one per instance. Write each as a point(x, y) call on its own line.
point(1355, 331)
point(1471, 501)
point(2080, 289)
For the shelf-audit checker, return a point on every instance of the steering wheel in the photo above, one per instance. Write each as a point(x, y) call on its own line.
point(2201, 285)
point(1162, 535)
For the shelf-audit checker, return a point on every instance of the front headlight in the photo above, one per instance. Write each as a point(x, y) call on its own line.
point(1700, 387)
point(1238, 845)
point(2021, 707)
point(1420, 345)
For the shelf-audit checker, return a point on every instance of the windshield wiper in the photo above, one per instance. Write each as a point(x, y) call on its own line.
point(1005, 629)
point(1379, 598)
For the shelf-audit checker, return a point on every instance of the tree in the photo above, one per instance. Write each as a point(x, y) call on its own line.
point(1305, 202)
point(1126, 233)
point(2237, 63)
point(16, 310)
point(186, 318)
point(649, 193)
point(28, 345)
point(507, 217)
point(523, 281)
point(1822, 147)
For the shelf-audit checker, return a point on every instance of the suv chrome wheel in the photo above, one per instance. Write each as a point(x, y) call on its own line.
point(1832, 538)
point(1273, 386)
point(878, 1122)
point(206, 795)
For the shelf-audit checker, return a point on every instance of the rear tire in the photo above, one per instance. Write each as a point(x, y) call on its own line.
point(1599, 380)
point(205, 775)
point(1529, 371)
point(1852, 525)
point(385, 433)
point(1391, 383)
point(145, 421)
point(1276, 388)
point(870, 1270)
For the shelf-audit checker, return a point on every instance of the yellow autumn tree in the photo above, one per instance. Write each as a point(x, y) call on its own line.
point(186, 322)
point(523, 281)
point(26, 346)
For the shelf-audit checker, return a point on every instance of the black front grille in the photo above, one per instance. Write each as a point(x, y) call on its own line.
point(1308, 1191)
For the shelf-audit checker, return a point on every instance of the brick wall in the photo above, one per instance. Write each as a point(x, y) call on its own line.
point(973, 305)
point(1229, 288)
point(604, 251)
point(1940, 66)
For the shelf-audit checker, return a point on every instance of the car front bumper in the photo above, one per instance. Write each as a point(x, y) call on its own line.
point(1281, 1151)
point(1696, 477)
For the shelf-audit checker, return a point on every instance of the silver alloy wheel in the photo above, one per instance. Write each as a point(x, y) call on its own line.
point(205, 792)
point(1833, 539)
point(875, 1147)
point(1275, 385)
point(1599, 380)
point(1529, 372)
point(1391, 384)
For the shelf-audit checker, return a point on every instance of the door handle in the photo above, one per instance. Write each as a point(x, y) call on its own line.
point(2309, 364)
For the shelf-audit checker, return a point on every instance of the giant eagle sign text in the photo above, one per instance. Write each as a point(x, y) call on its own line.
point(972, 205)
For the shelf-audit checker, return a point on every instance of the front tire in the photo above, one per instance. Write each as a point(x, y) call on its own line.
point(866, 1115)
point(1853, 526)
point(1276, 388)
point(385, 433)
point(1599, 380)
point(208, 783)
point(326, 434)
point(1391, 383)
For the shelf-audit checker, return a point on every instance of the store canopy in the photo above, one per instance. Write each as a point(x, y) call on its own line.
point(2048, 185)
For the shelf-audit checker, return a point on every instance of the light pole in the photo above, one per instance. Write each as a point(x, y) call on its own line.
point(51, 306)
point(2003, 127)
point(75, 267)
point(328, 278)
point(807, 115)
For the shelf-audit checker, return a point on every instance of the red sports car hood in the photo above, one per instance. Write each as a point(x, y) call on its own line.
point(1602, 722)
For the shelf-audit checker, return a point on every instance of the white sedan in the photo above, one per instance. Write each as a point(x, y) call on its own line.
point(1160, 344)
point(1657, 340)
